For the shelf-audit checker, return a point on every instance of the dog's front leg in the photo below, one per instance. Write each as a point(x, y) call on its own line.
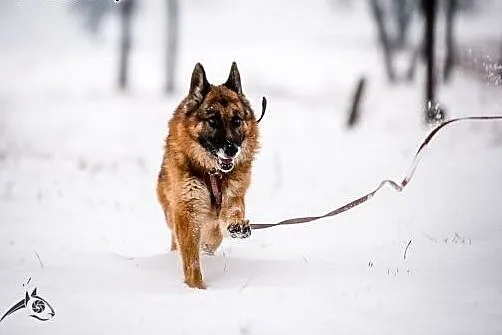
point(233, 218)
point(187, 232)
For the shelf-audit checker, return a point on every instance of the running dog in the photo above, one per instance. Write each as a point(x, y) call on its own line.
point(206, 169)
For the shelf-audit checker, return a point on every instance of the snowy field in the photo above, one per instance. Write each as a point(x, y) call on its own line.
point(79, 161)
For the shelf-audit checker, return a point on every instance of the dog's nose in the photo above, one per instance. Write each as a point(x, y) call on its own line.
point(230, 149)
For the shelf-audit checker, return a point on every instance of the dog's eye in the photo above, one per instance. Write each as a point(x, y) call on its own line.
point(213, 121)
point(236, 121)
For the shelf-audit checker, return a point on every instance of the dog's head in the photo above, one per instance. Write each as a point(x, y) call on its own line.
point(220, 122)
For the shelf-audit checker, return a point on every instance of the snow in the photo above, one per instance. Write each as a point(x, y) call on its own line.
point(78, 165)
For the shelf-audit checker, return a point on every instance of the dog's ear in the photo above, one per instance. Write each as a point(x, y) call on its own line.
point(234, 80)
point(199, 86)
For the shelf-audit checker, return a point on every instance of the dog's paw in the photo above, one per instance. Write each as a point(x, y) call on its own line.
point(207, 249)
point(239, 229)
point(196, 284)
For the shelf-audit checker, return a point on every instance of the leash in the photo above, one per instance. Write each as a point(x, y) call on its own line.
point(263, 108)
point(399, 187)
point(214, 181)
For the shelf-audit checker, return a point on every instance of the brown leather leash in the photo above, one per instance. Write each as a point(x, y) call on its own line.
point(214, 181)
point(396, 186)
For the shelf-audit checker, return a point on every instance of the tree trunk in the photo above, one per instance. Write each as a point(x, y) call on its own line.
point(410, 73)
point(383, 38)
point(126, 10)
point(429, 11)
point(172, 43)
point(451, 10)
point(356, 103)
point(402, 11)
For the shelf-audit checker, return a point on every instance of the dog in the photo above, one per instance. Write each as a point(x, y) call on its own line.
point(206, 169)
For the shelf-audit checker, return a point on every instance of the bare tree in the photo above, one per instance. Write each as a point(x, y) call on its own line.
point(412, 66)
point(355, 109)
point(172, 43)
point(451, 10)
point(500, 54)
point(384, 39)
point(429, 10)
point(126, 10)
point(93, 13)
point(403, 9)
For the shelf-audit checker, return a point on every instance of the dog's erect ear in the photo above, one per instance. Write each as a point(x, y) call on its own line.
point(199, 86)
point(234, 80)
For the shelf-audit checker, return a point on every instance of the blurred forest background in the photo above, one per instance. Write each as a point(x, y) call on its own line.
point(408, 32)
point(87, 88)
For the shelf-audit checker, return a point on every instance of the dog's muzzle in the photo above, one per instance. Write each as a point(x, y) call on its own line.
point(226, 157)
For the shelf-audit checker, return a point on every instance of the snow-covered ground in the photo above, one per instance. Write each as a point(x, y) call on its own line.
point(78, 164)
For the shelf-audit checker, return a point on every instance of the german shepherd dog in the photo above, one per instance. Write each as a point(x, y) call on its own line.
point(206, 169)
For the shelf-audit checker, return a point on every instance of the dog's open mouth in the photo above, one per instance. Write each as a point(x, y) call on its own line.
point(225, 164)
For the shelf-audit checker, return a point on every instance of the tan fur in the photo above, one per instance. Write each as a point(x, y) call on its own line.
point(181, 190)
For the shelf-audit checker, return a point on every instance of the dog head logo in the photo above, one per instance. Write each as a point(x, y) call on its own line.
point(219, 122)
point(36, 307)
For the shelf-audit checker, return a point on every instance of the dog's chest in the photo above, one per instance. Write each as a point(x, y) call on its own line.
point(220, 189)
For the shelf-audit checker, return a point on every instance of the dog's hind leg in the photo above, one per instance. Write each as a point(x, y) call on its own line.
point(174, 246)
